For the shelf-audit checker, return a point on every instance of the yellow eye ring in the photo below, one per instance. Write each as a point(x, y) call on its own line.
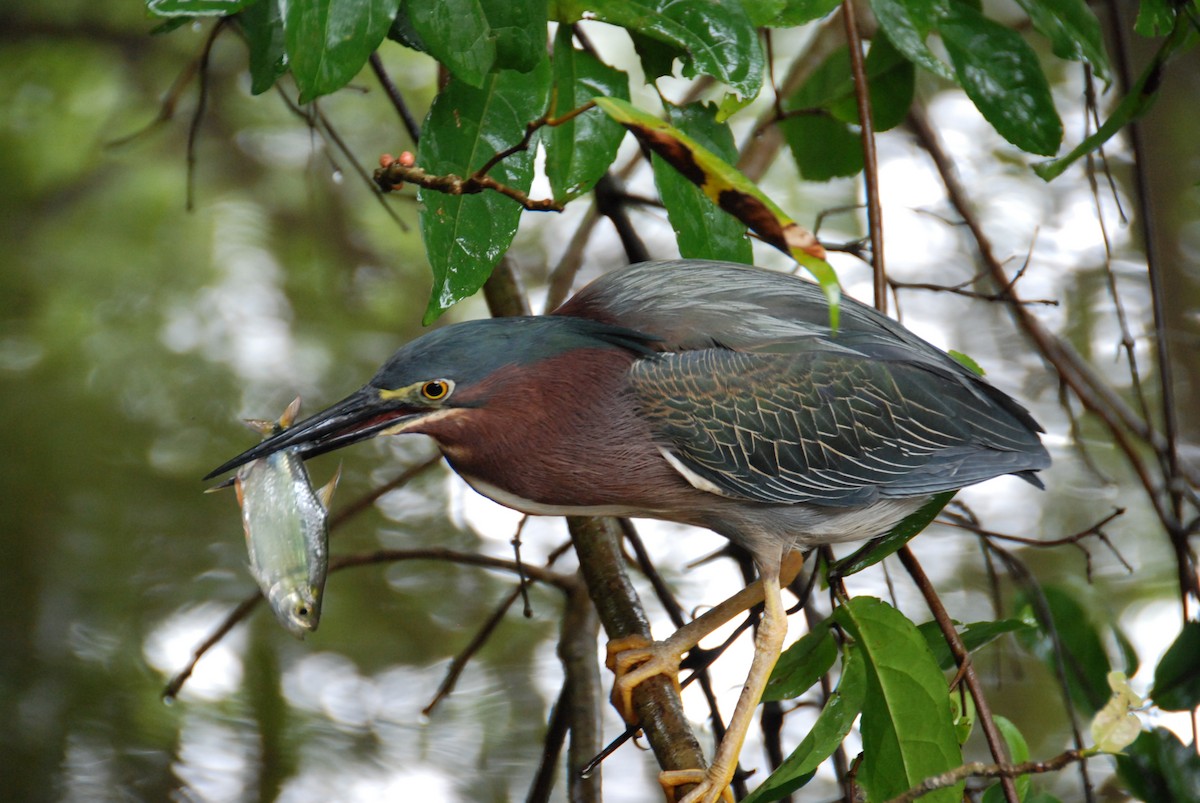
point(436, 389)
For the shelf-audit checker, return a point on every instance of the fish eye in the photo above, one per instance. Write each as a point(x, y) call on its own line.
point(302, 610)
point(437, 389)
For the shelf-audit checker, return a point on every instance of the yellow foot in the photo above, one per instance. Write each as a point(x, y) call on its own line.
point(633, 660)
point(707, 787)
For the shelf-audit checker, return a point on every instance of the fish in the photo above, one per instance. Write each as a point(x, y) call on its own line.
point(287, 529)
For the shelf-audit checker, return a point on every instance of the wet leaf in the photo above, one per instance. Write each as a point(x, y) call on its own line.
point(329, 41)
point(1177, 676)
point(465, 235)
point(831, 727)
point(1158, 768)
point(519, 29)
point(717, 37)
point(907, 24)
point(1073, 31)
point(729, 189)
point(702, 230)
point(263, 27)
point(1139, 100)
point(196, 8)
point(880, 548)
point(580, 150)
point(906, 727)
point(1084, 657)
point(797, 12)
point(1001, 75)
point(801, 665)
point(457, 34)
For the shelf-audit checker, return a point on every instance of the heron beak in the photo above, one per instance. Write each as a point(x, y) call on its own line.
point(355, 418)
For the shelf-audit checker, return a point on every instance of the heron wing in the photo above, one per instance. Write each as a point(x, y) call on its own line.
point(825, 427)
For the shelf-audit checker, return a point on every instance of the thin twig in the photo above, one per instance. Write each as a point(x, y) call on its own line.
point(862, 95)
point(991, 733)
point(980, 770)
point(393, 93)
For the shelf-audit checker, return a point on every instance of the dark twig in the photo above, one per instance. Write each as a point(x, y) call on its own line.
point(577, 651)
point(394, 174)
point(239, 613)
point(1005, 772)
point(552, 743)
point(201, 104)
point(459, 663)
point(862, 95)
point(393, 93)
point(1075, 540)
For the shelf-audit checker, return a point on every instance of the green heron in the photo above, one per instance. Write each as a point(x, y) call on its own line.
point(704, 393)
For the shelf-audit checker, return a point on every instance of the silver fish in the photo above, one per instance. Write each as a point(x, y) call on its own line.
point(287, 530)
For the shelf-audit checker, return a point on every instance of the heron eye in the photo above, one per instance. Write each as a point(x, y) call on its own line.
point(435, 390)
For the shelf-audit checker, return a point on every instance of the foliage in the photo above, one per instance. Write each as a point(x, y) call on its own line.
point(523, 76)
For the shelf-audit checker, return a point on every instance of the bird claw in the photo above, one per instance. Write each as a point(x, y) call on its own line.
point(708, 789)
point(634, 660)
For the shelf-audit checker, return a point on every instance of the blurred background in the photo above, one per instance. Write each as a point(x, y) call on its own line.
point(134, 334)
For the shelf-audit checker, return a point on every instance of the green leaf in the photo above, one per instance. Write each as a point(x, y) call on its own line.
point(329, 41)
point(579, 151)
point(519, 27)
point(465, 235)
point(702, 230)
point(1158, 768)
point(966, 361)
point(962, 714)
point(1073, 31)
point(1155, 17)
point(890, 78)
point(880, 548)
point(822, 147)
point(717, 37)
point(1018, 752)
point(906, 728)
point(1177, 676)
point(974, 636)
point(798, 12)
point(726, 187)
point(265, 38)
point(457, 34)
point(1001, 75)
point(831, 727)
point(196, 8)
point(907, 24)
point(1139, 100)
point(802, 664)
point(1084, 657)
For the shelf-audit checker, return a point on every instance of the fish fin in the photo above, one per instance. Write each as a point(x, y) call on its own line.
point(290, 414)
point(260, 425)
point(326, 493)
point(221, 485)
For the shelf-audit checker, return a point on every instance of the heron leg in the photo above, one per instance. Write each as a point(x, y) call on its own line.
point(634, 659)
point(713, 784)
